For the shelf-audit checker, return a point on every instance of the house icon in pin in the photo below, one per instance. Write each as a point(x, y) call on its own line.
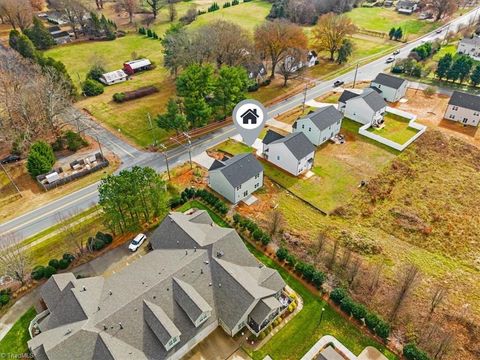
point(250, 116)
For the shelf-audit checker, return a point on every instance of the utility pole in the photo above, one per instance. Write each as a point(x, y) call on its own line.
point(304, 97)
point(99, 146)
point(355, 76)
point(189, 148)
point(151, 129)
point(164, 153)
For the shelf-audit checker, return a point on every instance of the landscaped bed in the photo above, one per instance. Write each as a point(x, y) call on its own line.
point(395, 128)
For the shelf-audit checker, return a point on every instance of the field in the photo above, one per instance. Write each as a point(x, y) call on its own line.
point(382, 19)
point(14, 344)
point(395, 129)
point(338, 170)
point(8, 192)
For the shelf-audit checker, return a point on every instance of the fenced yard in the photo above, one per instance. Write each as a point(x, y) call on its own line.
point(396, 128)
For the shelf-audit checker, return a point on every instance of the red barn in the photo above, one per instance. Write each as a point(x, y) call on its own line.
point(134, 66)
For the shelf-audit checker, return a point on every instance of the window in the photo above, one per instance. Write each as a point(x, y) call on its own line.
point(257, 176)
point(309, 129)
point(452, 116)
point(303, 126)
point(239, 187)
point(257, 185)
point(245, 193)
point(278, 157)
point(455, 108)
point(476, 114)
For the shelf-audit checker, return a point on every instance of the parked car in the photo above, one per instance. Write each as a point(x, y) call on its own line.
point(137, 242)
point(390, 59)
point(338, 83)
point(439, 31)
point(10, 159)
point(396, 52)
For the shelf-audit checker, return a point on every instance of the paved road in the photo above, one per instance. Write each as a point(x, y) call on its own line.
point(37, 220)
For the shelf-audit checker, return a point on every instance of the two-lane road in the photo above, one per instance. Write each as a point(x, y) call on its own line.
point(39, 219)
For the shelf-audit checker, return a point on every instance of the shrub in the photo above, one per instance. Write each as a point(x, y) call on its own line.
point(176, 201)
point(262, 335)
point(63, 264)
point(411, 352)
point(213, 7)
point(92, 88)
point(266, 239)
point(235, 2)
point(38, 272)
point(149, 33)
point(227, 4)
point(4, 299)
point(282, 253)
point(359, 311)
point(98, 245)
point(119, 97)
point(318, 279)
point(338, 294)
point(54, 263)
point(96, 71)
point(252, 87)
point(69, 257)
point(291, 260)
point(49, 271)
point(430, 91)
point(40, 158)
point(382, 329)
point(257, 234)
point(347, 305)
point(58, 144)
point(236, 218)
point(372, 320)
point(106, 238)
point(74, 141)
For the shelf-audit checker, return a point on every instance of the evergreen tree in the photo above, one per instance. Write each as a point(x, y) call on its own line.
point(39, 35)
point(173, 119)
point(464, 65)
point(230, 88)
point(345, 51)
point(475, 76)
point(40, 158)
point(391, 33)
point(443, 66)
point(22, 44)
point(92, 88)
point(398, 34)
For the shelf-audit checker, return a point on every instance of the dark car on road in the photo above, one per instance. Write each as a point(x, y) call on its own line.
point(10, 159)
point(338, 83)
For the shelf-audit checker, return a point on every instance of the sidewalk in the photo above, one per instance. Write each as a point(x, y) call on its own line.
point(17, 310)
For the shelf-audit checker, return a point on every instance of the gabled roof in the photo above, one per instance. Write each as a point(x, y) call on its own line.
point(159, 322)
point(347, 95)
point(135, 64)
point(475, 41)
point(114, 75)
point(298, 144)
point(390, 81)
point(263, 308)
point(465, 100)
point(271, 136)
point(189, 300)
point(325, 117)
point(370, 96)
point(240, 168)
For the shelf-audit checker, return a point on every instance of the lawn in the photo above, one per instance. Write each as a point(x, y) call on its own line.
point(14, 343)
point(7, 189)
point(382, 19)
point(395, 128)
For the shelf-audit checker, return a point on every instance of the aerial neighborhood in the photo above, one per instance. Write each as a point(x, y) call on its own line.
point(240, 179)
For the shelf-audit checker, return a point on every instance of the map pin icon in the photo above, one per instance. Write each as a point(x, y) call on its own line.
point(249, 117)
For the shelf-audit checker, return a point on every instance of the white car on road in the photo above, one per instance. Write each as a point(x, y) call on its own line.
point(390, 59)
point(137, 242)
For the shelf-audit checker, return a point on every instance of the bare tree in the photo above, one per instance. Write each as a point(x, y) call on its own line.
point(437, 298)
point(99, 4)
point(444, 346)
point(74, 10)
point(18, 13)
point(276, 223)
point(293, 65)
point(129, 6)
point(155, 6)
point(321, 241)
point(38, 5)
point(333, 257)
point(14, 261)
point(70, 232)
point(172, 10)
point(347, 255)
point(408, 281)
point(353, 272)
point(377, 272)
point(440, 7)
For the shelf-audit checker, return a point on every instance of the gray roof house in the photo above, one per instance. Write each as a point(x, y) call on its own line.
point(198, 276)
point(470, 45)
point(320, 125)
point(293, 153)
point(236, 178)
point(365, 107)
point(464, 108)
point(392, 88)
point(407, 6)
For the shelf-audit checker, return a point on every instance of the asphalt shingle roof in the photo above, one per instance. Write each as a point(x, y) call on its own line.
point(298, 144)
point(271, 136)
point(240, 168)
point(347, 95)
point(325, 117)
point(465, 100)
point(475, 41)
point(390, 81)
point(373, 99)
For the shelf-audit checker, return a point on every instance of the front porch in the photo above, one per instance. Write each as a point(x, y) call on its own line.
point(256, 328)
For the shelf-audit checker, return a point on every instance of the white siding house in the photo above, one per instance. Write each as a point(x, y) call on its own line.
point(406, 6)
point(463, 108)
point(236, 178)
point(470, 46)
point(293, 153)
point(391, 88)
point(321, 125)
point(366, 107)
point(114, 77)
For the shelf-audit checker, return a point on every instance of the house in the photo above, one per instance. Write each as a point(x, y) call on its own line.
point(256, 71)
point(406, 7)
point(236, 178)
point(250, 117)
point(392, 88)
point(114, 77)
point(366, 107)
point(293, 153)
point(388, 3)
point(134, 66)
point(55, 17)
point(320, 125)
point(470, 46)
point(199, 276)
point(329, 353)
point(312, 58)
point(60, 36)
point(464, 108)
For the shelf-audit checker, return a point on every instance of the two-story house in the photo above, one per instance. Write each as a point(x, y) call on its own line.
point(293, 153)
point(392, 88)
point(367, 107)
point(464, 108)
point(236, 178)
point(198, 277)
point(320, 125)
point(470, 46)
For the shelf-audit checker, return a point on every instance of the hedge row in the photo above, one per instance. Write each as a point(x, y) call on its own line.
point(149, 33)
point(208, 197)
point(255, 231)
point(39, 272)
point(4, 297)
point(411, 352)
point(380, 327)
point(308, 271)
point(98, 242)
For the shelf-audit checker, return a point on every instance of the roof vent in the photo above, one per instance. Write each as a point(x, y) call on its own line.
point(168, 289)
point(186, 252)
point(201, 271)
point(110, 292)
point(178, 242)
point(83, 288)
point(105, 327)
point(220, 254)
point(98, 308)
point(69, 331)
point(209, 284)
point(206, 262)
point(120, 324)
point(220, 285)
point(194, 249)
point(154, 296)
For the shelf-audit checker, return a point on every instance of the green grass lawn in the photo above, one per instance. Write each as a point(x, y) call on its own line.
point(198, 205)
point(15, 341)
point(396, 129)
point(383, 19)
